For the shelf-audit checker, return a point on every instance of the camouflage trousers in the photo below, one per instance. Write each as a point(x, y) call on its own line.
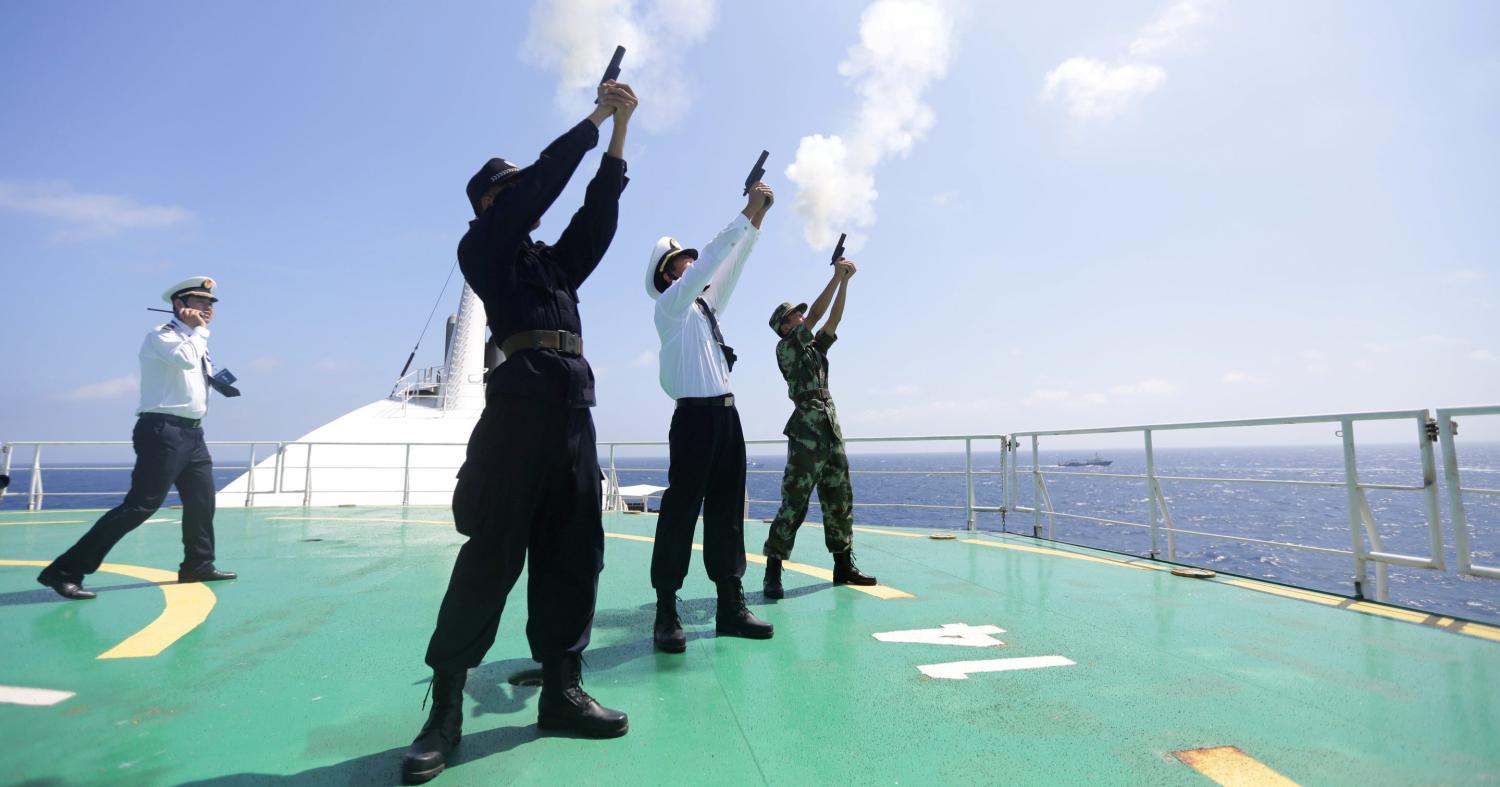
point(814, 459)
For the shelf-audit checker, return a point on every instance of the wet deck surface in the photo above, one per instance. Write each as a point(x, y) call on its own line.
point(308, 669)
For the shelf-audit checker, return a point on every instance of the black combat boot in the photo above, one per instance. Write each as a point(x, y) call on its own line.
point(772, 584)
point(668, 633)
point(846, 573)
point(734, 618)
point(567, 707)
point(428, 754)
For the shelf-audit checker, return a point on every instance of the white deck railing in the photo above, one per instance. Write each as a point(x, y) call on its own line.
point(294, 472)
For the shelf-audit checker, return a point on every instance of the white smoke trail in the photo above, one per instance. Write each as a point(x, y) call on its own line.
point(904, 45)
point(576, 38)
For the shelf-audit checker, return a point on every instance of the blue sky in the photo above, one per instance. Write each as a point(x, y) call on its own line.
point(1216, 210)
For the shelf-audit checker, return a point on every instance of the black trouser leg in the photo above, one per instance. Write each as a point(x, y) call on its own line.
point(567, 549)
point(486, 569)
point(158, 462)
point(691, 447)
point(195, 485)
point(724, 503)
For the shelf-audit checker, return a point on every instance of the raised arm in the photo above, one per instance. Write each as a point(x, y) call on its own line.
point(820, 304)
point(587, 236)
point(680, 296)
point(846, 270)
point(727, 277)
point(178, 351)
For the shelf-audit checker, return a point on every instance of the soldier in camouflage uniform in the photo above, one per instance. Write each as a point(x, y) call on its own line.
point(815, 446)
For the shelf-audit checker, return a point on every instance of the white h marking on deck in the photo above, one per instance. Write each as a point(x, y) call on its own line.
point(961, 670)
point(16, 695)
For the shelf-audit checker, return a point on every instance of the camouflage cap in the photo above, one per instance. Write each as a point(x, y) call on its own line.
point(781, 313)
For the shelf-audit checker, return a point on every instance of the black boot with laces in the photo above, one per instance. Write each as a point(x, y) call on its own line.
point(566, 707)
point(428, 754)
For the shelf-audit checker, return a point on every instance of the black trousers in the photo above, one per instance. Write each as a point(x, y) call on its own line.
point(167, 453)
point(707, 471)
point(540, 494)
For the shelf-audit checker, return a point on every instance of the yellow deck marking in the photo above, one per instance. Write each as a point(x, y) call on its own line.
point(188, 605)
point(1061, 553)
point(358, 519)
point(878, 591)
point(1229, 766)
point(47, 522)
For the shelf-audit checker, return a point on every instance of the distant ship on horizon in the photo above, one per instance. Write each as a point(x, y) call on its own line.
point(1095, 462)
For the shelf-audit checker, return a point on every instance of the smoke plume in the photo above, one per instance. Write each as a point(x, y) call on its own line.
point(904, 45)
point(575, 38)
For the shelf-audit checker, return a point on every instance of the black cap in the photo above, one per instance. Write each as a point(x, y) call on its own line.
point(494, 172)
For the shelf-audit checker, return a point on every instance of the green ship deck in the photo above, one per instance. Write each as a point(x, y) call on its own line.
point(308, 669)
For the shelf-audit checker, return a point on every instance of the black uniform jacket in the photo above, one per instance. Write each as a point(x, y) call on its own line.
point(527, 285)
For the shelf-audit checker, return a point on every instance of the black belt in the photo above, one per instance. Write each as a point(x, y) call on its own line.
point(727, 400)
point(561, 341)
point(191, 423)
point(816, 393)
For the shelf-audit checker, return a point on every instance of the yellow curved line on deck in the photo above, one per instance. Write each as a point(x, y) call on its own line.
point(187, 605)
point(884, 592)
point(878, 591)
point(1431, 620)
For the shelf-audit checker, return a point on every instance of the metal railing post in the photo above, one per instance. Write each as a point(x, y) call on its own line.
point(615, 501)
point(1430, 495)
point(1036, 491)
point(1351, 487)
point(279, 468)
point(5, 452)
point(1151, 492)
point(307, 479)
point(250, 479)
point(1455, 493)
point(34, 500)
point(969, 480)
point(406, 477)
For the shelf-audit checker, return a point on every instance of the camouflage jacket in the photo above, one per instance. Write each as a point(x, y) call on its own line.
point(803, 359)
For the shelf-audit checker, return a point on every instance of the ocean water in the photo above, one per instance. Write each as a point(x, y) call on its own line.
point(934, 482)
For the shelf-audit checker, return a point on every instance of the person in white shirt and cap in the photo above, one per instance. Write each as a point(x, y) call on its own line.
point(176, 374)
point(707, 445)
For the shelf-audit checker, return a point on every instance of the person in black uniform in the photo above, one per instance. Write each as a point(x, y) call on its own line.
point(176, 375)
point(530, 482)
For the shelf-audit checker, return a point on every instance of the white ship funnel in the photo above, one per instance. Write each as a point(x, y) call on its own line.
point(463, 369)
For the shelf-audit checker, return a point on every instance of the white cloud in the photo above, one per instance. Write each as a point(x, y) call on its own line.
point(576, 38)
point(943, 199)
point(646, 358)
point(1063, 398)
point(1173, 30)
point(87, 215)
point(902, 389)
point(1438, 340)
point(1312, 355)
point(904, 45)
point(263, 364)
point(1483, 356)
point(334, 365)
point(1095, 90)
point(1236, 377)
point(1152, 387)
point(1466, 274)
point(113, 388)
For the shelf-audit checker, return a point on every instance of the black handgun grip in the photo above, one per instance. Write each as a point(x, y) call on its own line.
point(757, 172)
point(838, 251)
point(613, 71)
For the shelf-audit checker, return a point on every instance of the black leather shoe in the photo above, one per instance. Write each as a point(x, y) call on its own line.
point(734, 618)
point(846, 573)
point(428, 754)
point(209, 574)
point(564, 705)
point(667, 633)
point(772, 586)
point(68, 590)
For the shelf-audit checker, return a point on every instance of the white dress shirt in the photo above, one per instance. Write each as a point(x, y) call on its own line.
point(691, 363)
point(174, 362)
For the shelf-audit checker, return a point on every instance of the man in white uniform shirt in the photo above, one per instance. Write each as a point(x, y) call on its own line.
point(169, 448)
point(707, 468)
